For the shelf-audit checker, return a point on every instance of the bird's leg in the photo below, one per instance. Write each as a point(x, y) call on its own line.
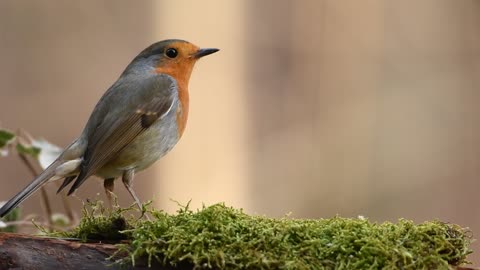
point(127, 180)
point(108, 184)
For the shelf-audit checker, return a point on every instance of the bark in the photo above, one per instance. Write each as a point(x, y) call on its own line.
point(19, 251)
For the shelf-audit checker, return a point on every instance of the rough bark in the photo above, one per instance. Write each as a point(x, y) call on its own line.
point(19, 251)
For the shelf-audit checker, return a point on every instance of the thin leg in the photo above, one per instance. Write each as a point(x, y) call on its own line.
point(108, 184)
point(127, 180)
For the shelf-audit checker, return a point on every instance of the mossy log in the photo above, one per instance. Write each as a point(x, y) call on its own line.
point(224, 238)
point(19, 251)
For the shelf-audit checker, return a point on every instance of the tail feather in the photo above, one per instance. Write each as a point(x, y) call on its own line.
point(29, 189)
point(65, 183)
point(80, 179)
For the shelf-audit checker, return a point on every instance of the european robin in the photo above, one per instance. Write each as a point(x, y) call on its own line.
point(138, 120)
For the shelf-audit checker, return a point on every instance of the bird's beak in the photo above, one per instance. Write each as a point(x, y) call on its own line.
point(203, 52)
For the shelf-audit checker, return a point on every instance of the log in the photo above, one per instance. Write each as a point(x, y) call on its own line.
point(19, 251)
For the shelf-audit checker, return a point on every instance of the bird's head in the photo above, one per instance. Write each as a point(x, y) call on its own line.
point(173, 57)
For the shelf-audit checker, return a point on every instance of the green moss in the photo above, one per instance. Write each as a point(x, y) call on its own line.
point(97, 223)
point(220, 237)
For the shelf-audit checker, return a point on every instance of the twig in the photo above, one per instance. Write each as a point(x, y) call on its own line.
point(43, 192)
point(30, 223)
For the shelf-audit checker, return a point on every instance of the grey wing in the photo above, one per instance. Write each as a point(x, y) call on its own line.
point(150, 102)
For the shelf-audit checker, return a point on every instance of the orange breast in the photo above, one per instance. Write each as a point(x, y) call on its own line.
point(182, 111)
point(182, 77)
point(180, 71)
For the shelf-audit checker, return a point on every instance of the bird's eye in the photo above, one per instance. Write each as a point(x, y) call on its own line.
point(171, 52)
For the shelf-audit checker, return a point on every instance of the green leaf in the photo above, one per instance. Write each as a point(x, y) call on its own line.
point(6, 138)
point(28, 150)
point(14, 215)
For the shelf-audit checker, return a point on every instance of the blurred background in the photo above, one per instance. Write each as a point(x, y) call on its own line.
point(312, 107)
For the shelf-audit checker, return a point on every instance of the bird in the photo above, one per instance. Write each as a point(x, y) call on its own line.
point(137, 121)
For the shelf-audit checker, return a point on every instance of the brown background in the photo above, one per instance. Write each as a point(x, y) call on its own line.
point(314, 107)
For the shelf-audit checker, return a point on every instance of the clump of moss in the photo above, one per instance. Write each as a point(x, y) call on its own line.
point(220, 237)
point(99, 224)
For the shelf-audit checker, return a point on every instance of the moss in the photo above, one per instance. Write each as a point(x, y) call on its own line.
point(220, 237)
point(99, 224)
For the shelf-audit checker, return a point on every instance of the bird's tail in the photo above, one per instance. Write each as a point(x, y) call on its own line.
point(37, 183)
